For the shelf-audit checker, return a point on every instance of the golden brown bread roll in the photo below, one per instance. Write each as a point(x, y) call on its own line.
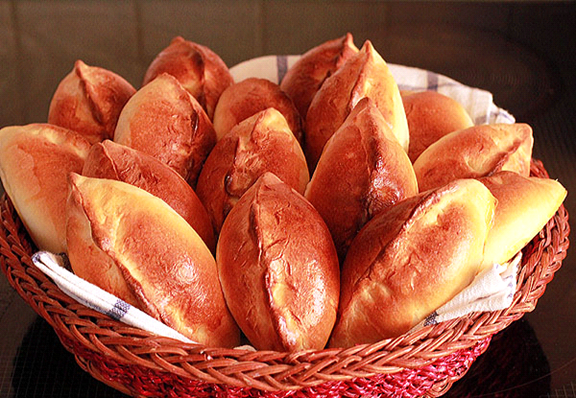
point(164, 263)
point(35, 160)
point(260, 143)
point(164, 120)
point(411, 259)
point(278, 268)
point(524, 206)
point(306, 76)
point(430, 116)
point(199, 69)
point(245, 98)
point(364, 74)
point(362, 171)
point(475, 152)
point(110, 160)
point(89, 100)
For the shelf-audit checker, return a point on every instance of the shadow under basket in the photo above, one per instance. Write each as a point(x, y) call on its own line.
point(424, 363)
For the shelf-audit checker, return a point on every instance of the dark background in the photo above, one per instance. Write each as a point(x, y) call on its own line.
point(523, 52)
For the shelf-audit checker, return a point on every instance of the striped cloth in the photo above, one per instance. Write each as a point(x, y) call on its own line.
point(56, 267)
point(478, 103)
point(491, 290)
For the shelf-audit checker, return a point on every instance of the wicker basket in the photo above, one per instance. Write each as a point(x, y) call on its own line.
point(422, 363)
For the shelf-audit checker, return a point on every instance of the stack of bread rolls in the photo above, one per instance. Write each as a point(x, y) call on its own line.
point(328, 209)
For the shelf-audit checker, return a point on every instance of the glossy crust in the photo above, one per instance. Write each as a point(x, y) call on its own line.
point(110, 160)
point(163, 261)
point(89, 100)
point(35, 160)
point(362, 171)
point(364, 74)
point(278, 268)
point(163, 120)
point(430, 116)
point(475, 152)
point(244, 99)
point(261, 143)
point(199, 69)
point(306, 76)
point(408, 261)
point(524, 206)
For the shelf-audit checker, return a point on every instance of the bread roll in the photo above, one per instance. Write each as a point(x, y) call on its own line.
point(163, 120)
point(35, 160)
point(362, 171)
point(278, 268)
point(261, 143)
point(88, 260)
point(411, 259)
point(475, 152)
point(364, 74)
point(89, 100)
point(110, 160)
point(306, 76)
point(244, 99)
point(430, 116)
point(524, 206)
point(199, 69)
point(163, 261)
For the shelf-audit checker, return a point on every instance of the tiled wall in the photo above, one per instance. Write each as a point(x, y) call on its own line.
point(42, 39)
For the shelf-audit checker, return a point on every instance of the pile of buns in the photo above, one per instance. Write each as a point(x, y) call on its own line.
point(331, 209)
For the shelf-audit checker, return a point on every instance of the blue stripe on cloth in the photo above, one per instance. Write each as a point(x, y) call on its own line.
point(431, 319)
point(281, 66)
point(481, 120)
point(119, 309)
point(432, 81)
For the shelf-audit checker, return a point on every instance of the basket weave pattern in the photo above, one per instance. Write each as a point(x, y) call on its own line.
point(423, 363)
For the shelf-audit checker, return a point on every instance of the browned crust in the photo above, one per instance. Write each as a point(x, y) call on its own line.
point(430, 116)
point(279, 268)
point(412, 259)
point(173, 128)
point(363, 171)
point(259, 144)
point(306, 76)
point(199, 69)
point(475, 152)
point(92, 109)
point(246, 98)
point(365, 74)
point(114, 161)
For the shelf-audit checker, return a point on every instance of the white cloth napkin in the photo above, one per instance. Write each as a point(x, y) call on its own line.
point(54, 266)
point(491, 290)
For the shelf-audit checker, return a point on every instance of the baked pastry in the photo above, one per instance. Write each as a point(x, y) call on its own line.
point(362, 171)
point(261, 143)
point(365, 74)
point(278, 268)
point(411, 259)
point(524, 206)
point(35, 160)
point(199, 69)
point(89, 100)
point(475, 152)
point(306, 76)
point(430, 116)
point(164, 263)
point(249, 96)
point(164, 120)
point(110, 160)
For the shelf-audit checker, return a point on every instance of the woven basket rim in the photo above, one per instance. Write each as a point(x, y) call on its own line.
point(80, 328)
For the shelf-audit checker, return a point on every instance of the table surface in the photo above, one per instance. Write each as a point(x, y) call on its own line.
point(524, 53)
